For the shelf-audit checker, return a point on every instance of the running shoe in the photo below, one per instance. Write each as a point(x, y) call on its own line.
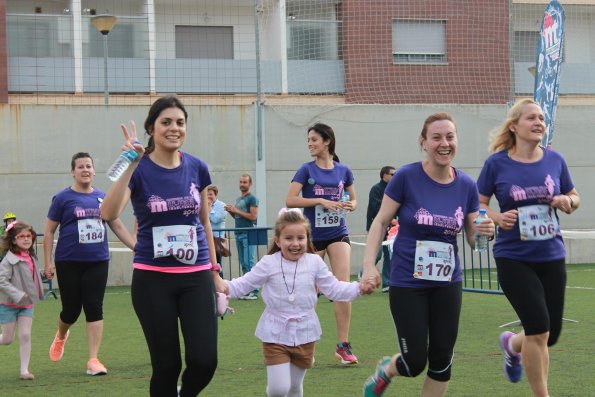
point(377, 383)
point(344, 354)
point(513, 367)
point(57, 347)
point(27, 376)
point(94, 367)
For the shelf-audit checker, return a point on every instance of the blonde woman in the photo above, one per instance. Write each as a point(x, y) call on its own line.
point(531, 184)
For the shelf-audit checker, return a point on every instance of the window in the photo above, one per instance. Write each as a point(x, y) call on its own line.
point(204, 42)
point(121, 41)
point(312, 40)
point(525, 46)
point(419, 41)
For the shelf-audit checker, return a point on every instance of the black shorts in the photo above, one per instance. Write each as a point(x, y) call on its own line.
point(321, 245)
point(536, 293)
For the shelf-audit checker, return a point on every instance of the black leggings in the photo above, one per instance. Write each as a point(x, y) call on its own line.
point(536, 293)
point(427, 323)
point(82, 286)
point(159, 300)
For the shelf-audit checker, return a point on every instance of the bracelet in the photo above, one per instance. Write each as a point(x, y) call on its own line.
point(491, 238)
point(571, 202)
point(216, 268)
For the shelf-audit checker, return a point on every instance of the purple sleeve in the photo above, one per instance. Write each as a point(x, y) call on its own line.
point(396, 187)
point(486, 181)
point(473, 197)
point(349, 177)
point(55, 210)
point(203, 176)
point(302, 175)
point(566, 184)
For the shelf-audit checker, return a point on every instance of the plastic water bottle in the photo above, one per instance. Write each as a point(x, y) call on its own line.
point(121, 164)
point(345, 198)
point(481, 242)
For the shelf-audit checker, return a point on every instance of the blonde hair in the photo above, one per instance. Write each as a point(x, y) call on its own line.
point(502, 137)
point(288, 218)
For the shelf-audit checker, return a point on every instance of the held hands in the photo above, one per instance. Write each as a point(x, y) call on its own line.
point(132, 142)
point(508, 219)
point(370, 280)
point(49, 271)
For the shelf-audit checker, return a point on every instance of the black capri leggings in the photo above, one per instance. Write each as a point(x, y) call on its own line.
point(159, 300)
point(82, 286)
point(536, 293)
point(427, 323)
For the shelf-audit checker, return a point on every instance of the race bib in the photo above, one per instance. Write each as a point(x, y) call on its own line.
point(178, 241)
point(537, 222)
point(327, 218)
point(434, 261)
point(91, 231)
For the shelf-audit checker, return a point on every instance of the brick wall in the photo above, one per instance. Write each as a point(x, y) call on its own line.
point(477, 69)
point(3, 55)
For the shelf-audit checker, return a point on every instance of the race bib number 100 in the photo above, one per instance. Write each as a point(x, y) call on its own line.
point(178, 241)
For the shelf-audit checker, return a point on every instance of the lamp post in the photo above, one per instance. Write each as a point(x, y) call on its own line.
point(104, 24)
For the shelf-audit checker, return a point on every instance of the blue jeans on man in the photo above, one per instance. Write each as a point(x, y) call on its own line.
point(384, 252)
point(245, 253)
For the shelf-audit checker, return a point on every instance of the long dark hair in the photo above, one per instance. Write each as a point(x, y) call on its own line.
point(159, 106)
point(7, 241)
point(327, 134)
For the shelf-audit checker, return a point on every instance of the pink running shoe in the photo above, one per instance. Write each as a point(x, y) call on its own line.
point(57, 347)
point(94, 367)
point(344, 354)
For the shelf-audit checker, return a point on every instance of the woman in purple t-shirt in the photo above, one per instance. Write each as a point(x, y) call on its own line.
point(175, 269)
point(530, 183)
point(323, 184)
point(434, 202)
point(81, 258)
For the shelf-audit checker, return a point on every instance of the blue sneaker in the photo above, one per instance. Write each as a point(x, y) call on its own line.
point(377, 383)
point(513, 367)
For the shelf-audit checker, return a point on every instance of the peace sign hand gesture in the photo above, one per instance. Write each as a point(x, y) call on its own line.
point(132, 142)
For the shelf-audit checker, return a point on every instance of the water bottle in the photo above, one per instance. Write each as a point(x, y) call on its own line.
point(121, 164)
point(345, 198)
point(481, 242)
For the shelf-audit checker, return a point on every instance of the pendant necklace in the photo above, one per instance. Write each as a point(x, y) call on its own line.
point(291, 296)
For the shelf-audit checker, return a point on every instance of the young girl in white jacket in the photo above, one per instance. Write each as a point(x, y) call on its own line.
point(289, 326)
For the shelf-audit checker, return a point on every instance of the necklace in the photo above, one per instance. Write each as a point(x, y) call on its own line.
point(291, 296)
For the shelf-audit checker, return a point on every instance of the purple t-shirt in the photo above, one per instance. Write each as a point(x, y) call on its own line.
point(167, 197)
point(429, 211)
point(517, 184)
point(327, 184)
point(80, 236)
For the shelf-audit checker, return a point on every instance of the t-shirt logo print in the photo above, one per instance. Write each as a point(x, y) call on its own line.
point(190, 204)
point(541, 193)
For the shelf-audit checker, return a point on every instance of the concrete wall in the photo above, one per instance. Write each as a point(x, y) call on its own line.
point(37, 142)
